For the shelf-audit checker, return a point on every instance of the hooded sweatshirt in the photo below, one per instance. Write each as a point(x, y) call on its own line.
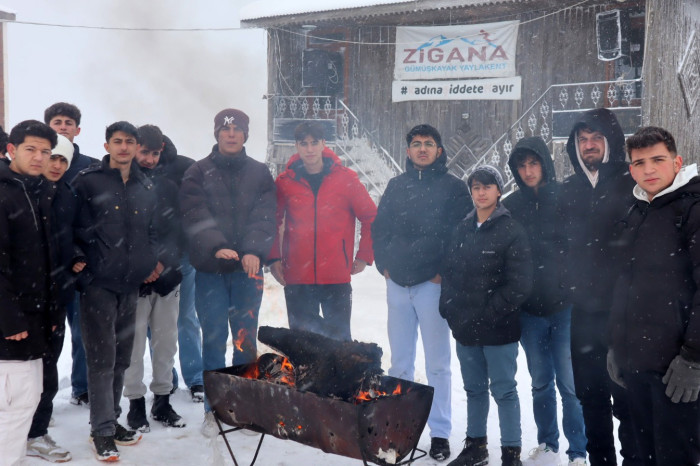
point(537, 212)
point(589, 211)
point(656, 310)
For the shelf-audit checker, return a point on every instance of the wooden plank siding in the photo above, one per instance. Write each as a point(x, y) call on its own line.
point(669, 27)
point(553, 48)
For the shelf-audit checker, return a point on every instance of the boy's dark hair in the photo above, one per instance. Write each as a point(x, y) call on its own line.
point(63, 109)
point(305, 129)
point(3, 141)
point(32, 128)
point(522, 154)
point(424, 130)
point(124, 127)
point(150, 137)
point(650, 136)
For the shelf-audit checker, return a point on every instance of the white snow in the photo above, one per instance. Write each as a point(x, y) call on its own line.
point(265, 8)
point(186, 446)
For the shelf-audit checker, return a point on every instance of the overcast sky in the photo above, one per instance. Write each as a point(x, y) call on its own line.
point(176, 80)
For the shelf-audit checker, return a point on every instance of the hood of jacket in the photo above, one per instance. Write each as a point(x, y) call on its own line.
point(605, 121)
point(501, 211)
point(536, 146)
point(169, 152)
point(682, 178)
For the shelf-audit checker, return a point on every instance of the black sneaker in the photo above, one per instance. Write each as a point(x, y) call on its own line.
point(136, 418)
point(80, 400)
point(197, 392)
point(124, 436)
point(439, 448)
point(105, 449)
point(164, 413)
point(475, 453)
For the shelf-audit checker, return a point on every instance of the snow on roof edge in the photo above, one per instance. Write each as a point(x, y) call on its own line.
point(266, 9)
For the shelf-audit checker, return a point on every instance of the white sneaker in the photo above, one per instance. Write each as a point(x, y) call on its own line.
point(209, 427)
point(44, 447)
point(578, 462)
point(542, 456)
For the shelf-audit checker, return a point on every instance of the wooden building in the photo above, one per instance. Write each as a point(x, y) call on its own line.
point(337, 65)
point(5, 16)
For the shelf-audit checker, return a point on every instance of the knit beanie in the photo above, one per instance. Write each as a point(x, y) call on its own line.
point(230, 116)
point(488, 170)
point(63, 148)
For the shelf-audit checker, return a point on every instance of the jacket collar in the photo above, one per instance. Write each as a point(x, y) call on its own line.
point(682, 178)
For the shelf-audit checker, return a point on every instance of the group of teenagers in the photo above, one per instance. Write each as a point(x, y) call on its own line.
point(593, 276)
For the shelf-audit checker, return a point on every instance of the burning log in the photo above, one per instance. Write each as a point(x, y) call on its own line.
point(322, 365)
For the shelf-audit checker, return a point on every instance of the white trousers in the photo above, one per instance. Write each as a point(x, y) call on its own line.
point(21, 384)
point(159, 313)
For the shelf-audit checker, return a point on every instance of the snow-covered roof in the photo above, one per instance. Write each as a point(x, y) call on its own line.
point(7, 14)
point(268, 9)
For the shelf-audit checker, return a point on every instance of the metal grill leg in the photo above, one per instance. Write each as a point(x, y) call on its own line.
point(223, 433)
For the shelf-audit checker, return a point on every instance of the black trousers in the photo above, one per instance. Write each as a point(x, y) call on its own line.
point(594, 389)
point(667, 433)
point(42, 415)
point(304, 303)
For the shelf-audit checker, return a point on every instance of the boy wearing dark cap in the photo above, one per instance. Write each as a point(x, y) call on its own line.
point(486, 276)
point(228, 205)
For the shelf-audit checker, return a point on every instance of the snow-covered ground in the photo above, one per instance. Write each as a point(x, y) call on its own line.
point(168, 446)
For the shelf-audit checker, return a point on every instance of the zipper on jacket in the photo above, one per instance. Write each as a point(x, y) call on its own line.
point(345, 255)
point(315, 231)
point(31, 206)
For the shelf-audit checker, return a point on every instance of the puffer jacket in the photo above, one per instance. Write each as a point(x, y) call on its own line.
point(486, 276)
point(115, 227)
point(415, 217)
point(227, 202)
point(318, 242)
point(537, 213)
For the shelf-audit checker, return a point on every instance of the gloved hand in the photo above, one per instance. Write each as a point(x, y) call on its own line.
point(614, 370)
point(682, 380)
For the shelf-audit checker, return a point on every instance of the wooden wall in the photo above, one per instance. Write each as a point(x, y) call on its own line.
point(666, 43)
point(555, 49)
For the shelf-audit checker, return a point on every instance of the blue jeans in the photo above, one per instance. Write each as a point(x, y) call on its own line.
point(498, 364)
point(188, 330)
point(223, 301)
point(412, 307)
point(78, 375)
point(547, 344)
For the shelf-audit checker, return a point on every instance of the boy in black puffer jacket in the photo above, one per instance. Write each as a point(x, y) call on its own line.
point(486, 276)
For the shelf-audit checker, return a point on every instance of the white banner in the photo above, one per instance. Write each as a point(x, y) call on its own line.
point(449, 52)
point(472, 89)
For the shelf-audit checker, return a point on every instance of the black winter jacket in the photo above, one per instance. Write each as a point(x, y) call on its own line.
point(415, 217)
point(486, 276)
point(115, 229)
point(63, 214)
point(537, 212)
point(78, 163)
point(656, 310)
point(174, 165)
point(227, 202)
point(169, 232)
point(589, 215)
point(27, 294)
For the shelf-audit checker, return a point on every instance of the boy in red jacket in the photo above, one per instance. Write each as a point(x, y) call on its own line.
point(318, 201)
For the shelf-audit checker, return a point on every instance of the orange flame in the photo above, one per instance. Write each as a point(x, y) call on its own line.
point(238, 343)
point(373, 394)
point(397, 390)
point(252, 372)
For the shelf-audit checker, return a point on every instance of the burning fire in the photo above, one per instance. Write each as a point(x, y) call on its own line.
point(277, 370)
point(240, 339)
point(374, 393)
